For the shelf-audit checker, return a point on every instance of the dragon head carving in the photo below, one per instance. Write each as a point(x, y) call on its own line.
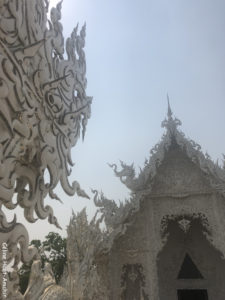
point(44, 106)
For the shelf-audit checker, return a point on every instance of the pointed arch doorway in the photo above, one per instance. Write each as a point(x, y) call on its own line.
point(189, 270)
point(189, 267)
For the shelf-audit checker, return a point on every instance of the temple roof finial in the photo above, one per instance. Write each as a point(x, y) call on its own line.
point(169, 113)
point(170, 123)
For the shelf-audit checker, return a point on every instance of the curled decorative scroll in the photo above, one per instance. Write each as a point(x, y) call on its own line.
point(17, 248)
point(43, 107)
point(126, 174)
point(43, 110)
point(113, 215)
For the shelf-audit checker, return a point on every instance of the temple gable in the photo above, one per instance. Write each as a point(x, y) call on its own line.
point(157, 244)
point(178, 175)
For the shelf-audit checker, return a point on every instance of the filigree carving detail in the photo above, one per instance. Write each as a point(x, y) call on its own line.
point(143, 182)
point(84, 248)
point(117, 218)
point(42, 285)
point(44, 109)
point(170, 123)
point(184, 224)
point(133, 283)
point(112, 214)
point(132, 253)
point(126, 174)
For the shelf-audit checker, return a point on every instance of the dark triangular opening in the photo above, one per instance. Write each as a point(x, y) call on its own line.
point(189, 270)
point(192, 294)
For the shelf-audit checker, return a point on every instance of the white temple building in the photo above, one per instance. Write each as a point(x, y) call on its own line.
point(167, 242)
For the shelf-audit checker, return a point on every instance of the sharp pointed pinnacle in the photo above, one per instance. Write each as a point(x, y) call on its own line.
point(170, 123)
point(169, 113)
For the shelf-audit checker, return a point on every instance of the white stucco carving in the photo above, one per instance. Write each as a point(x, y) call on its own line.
point(44, 109)
point(84, 246)
point(115, 217)
point(178, 185)
point(184, 224)
point(143, 181)
point(42, 285)
point(141, 185)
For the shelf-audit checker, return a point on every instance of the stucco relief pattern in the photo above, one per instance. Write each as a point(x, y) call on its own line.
point(133, 283)
point(192, 208)
point(145, 179)
point(187, 188)
point(192, 175)
point(179, 184)
point(85, 252)
point(44, 109)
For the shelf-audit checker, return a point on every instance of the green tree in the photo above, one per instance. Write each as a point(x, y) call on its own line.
point(52, 250)
point(55, 249)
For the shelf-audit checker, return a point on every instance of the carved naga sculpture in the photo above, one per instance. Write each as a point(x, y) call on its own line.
point(126, 175)
point(43, 109)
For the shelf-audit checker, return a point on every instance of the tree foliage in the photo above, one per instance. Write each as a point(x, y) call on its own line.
point(52, 250)
point(55, 249)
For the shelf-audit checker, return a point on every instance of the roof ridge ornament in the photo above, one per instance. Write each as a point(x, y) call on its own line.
point(170, 123)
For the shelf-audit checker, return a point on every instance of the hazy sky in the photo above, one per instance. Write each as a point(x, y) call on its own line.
point(137, 51)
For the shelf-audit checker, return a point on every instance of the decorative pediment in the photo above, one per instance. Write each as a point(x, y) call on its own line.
point(178, 176)
point(172, 139)
point(176, 168)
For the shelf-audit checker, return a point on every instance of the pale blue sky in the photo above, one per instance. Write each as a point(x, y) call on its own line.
point(136, 52)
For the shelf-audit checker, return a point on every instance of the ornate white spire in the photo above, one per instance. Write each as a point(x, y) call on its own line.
point(169, 111)
point(170, 123)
